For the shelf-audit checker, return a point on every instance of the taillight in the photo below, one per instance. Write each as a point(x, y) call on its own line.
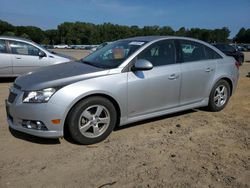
point(237, 64)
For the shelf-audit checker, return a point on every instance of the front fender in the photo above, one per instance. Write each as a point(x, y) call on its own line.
point(114, 86)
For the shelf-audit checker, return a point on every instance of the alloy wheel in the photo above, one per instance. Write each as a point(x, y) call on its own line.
point(220, 95)
point(94, 121)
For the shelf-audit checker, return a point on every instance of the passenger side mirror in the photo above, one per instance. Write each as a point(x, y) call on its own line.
point(41, 54)
point(142, 65)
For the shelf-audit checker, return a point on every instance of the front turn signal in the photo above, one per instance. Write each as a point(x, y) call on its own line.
point(56, 121)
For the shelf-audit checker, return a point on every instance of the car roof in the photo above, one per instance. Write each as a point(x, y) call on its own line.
point(147, 38)
point(221, 44)
point(157, 38)
point(15, 38)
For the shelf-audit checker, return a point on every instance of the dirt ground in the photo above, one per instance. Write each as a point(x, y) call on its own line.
point(78, 54)
point(194, 148)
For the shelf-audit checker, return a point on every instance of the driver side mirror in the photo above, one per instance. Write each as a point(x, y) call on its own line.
point(142, 65)
point(41, 54)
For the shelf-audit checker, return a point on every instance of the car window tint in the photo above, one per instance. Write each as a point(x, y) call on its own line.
point(23, 48)
point(191, 51)
point(159, 53)
point(211, 54)
point(3, 47)
point(225, 47)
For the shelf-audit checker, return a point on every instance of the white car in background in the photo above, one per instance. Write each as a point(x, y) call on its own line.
point(62, 46)
point(19, 56)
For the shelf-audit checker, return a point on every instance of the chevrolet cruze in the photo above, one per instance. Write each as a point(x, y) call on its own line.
point(126, 81)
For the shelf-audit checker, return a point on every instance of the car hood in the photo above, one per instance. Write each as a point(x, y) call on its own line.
point(58, 75)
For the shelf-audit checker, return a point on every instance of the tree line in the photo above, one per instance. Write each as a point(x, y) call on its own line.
point(89, 33)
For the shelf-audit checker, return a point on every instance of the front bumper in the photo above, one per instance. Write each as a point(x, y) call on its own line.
point(17, 112)
point(44, 134)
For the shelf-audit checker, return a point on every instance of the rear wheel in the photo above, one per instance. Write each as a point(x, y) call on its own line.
point(219, 96)
point(91, 120)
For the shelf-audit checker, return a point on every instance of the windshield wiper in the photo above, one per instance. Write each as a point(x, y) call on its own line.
point(97, 65)
point(88, 63)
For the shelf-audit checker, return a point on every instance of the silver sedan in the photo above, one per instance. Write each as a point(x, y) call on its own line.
point(126, 81)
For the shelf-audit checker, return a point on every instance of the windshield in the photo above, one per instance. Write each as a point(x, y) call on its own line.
point(112, 55)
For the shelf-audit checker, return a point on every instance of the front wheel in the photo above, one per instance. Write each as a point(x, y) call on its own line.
point(219, 96)
point(91, 120)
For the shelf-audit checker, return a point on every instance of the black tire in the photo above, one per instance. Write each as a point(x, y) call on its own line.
point(212, 106)
point(73, 120)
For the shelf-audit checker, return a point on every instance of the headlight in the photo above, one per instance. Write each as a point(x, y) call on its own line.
point(38, 96)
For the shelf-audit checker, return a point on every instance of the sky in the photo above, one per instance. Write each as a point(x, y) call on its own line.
point(209, 14)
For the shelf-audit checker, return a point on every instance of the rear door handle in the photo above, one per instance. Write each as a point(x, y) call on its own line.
point(18, 57)
point(209, 69)
point(173, 77)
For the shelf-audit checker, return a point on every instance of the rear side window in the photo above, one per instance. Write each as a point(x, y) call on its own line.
point(3, 46)
point(211, 54)
point(194, 51)
point(22, 48)
point(191, 51)
point(159, 53)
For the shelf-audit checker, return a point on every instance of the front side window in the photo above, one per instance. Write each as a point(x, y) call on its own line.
point(159, 53)
point(22, 48)
point(112, 55)
point(191, 51)
point(3, 46)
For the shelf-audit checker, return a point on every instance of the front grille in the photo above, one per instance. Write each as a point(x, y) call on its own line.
point(12, 97)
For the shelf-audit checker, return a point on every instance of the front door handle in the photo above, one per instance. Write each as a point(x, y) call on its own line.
point(173, 77)
point(18, 57)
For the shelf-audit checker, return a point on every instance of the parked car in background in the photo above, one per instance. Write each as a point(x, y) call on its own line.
point(247, 46)
point(239, 47)
point(19, 56)
point(47, 46)
point(62, 46)
point(77, 47)
point(74, 47)
point(230, 51)
point(94, 47)
point(88, 47)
